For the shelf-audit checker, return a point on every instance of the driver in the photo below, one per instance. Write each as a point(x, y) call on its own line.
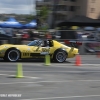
point(46, 43)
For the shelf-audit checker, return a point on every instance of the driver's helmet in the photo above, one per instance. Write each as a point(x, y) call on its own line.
point(47, 42)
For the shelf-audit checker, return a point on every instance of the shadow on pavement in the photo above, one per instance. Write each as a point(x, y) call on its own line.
point(32, 60)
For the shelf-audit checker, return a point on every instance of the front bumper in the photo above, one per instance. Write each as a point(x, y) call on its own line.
point(73, 53)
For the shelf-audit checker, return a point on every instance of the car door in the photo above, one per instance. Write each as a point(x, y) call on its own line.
point(35, 51)
point(40, 51)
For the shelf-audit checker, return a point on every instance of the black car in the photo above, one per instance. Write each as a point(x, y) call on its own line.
point(4, 36)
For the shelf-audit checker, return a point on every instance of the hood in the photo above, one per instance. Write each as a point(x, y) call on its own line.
point(12, 45)
point(6, 44)
point(65, 46)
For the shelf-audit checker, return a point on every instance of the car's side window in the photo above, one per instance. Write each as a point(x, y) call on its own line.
point(47, 43)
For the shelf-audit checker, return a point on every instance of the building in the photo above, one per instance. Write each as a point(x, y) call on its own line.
point(61, 10)
point(88, 8)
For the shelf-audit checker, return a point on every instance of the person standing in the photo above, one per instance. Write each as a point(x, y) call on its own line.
point(30, 35)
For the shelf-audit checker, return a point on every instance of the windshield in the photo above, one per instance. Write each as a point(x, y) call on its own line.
point(35, 43)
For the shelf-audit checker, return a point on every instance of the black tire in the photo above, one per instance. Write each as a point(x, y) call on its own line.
point(12, 55)
point(60, 56)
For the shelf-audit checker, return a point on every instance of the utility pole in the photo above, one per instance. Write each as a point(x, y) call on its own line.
point(53, 13)
point(37, 16)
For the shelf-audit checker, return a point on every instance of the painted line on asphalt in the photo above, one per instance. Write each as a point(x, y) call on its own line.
point(52, 64)
point(10, 83)
point(62, 81)
point(23, 76)
point(50, 72)
point(66, 97)
point(44, 63)
point(55, 65)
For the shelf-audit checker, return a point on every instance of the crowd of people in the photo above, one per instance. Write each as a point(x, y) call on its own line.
point(16, 36)
point(28, 35)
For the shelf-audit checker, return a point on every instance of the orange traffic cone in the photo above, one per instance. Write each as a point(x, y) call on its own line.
point(78, 60)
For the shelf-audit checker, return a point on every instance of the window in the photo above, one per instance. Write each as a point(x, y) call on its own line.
point(72, 8)
point(92, 10)
point(73, 0)
point(61, 8)
point(60, 17)
point(35, 43)
point(78, 7)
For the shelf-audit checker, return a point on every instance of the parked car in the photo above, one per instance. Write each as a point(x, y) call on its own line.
point(4, 36)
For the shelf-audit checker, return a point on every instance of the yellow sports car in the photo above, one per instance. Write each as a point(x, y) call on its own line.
point(37, 49)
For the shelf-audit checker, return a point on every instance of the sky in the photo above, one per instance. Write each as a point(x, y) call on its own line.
point(17, 6)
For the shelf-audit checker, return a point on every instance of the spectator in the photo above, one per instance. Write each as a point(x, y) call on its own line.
point(79, 35)
point(25, 36)
point(48, 36)
point(30, 35)
point(14, 37)
point(35, 35)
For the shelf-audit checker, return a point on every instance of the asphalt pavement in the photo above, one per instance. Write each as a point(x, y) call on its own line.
point(59, 81)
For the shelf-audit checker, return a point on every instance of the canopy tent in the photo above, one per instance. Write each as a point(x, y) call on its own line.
point(32, 24)
point(80, 21)
point(11, 23)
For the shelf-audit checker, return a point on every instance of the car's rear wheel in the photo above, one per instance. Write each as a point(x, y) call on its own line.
point(12, 55)
point(60, 56)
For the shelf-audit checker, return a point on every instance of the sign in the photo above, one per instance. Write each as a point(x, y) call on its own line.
point(45, 51)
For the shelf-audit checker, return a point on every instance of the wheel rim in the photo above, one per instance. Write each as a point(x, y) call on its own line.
point(13, 55)
point(61, 56)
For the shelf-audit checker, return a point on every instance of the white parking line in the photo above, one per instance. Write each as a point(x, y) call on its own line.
point(95, 71)
point(44, 63)
point(10, 83)
point(65, 81)
point(66, 97)
point(23, 76)
point(52, 64)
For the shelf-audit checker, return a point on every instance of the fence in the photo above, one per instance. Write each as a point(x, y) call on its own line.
point(90, 39)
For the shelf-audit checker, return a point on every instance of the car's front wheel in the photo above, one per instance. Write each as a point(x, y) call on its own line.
point(60, 56)
point(12, 55)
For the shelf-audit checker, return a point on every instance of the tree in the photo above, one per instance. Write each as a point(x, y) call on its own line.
point(30, 18)
point(42, 14)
